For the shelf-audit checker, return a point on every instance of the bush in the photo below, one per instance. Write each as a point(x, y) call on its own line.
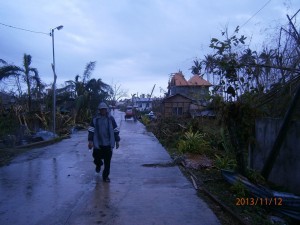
point(255, 177)
point(239, 189)
point(224, 162)
point(8, 124)
point(193, 143)
point(145, 120)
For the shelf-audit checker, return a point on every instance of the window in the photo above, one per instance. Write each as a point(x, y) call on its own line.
point(177, 111)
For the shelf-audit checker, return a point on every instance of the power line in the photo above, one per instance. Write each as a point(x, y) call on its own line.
point(256, 13)
point(18, 28)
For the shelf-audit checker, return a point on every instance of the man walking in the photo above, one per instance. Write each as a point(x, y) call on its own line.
point(103, 136)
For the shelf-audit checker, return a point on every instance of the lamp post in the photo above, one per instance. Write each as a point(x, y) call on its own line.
point(54, 73)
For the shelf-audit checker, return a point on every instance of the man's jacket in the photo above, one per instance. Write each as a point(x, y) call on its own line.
point(95, 130)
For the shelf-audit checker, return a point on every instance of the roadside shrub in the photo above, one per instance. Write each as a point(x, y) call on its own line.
point(224, 162)
point(8, 124)
point(255, 177)
point(225, 140)
point(193, 143)
point(145, 120)
point(239, 189)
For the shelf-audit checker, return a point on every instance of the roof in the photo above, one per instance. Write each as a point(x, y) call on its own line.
point(179, 80)
point(178, 94)
point(143, 99)
point(198, 81)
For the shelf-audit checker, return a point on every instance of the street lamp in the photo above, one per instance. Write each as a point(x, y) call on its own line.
point(54, 73)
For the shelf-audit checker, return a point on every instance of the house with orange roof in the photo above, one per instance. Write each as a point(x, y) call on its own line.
point(195, 88)
point(185, 97)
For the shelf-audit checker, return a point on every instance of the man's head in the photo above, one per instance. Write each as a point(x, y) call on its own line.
point(103, 108)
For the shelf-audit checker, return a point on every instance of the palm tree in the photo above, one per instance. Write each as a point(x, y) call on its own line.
point(76, 86)
point(196, 68)
point(28, 78)
point(97, 91)
point(87, 92)
point(29, 75)
point(7, 71)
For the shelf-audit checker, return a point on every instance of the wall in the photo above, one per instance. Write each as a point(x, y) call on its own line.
point(176, 101)
point(193, 92)
point(286, 169)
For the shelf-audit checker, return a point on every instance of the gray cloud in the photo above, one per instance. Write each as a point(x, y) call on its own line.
point(135, 43)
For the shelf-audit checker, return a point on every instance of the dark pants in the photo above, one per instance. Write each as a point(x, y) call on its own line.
point(105, 153)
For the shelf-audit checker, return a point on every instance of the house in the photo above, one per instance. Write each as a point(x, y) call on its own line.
point(176, 105)
point(195, 88)
point(143, 104)
point(185, 97)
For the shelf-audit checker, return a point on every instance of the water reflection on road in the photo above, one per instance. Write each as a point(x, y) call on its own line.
point(57, 184)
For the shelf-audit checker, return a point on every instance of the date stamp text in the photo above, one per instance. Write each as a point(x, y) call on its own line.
point(259, 201)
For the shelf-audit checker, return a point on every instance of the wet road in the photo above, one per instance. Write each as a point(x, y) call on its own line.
point(57, 185)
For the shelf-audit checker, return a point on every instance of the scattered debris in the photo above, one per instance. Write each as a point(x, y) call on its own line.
point(283, 202)
point(194, 183)
point(196, 162)
point(45, 135)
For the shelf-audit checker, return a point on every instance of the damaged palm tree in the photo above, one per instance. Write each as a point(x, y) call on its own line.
point(30, 76)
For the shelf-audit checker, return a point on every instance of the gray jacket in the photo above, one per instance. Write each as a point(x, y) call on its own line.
point(97, 128)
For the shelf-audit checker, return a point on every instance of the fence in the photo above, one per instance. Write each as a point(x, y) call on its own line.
point(286, 170)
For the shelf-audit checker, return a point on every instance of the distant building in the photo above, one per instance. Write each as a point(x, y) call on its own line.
point(176, 105)
point(143, 104)
point(195, 88)
point(185, 97)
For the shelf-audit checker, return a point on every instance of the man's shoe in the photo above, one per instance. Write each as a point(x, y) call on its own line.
point(106, 179)
point(98, 169)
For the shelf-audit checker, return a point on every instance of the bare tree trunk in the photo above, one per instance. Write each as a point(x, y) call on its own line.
point(18, 85)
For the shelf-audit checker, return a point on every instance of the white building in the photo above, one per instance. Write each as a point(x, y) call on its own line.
point(143, 104)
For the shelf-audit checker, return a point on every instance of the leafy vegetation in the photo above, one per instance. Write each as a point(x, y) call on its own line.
point(30, 105)
point(224, 162)
point(193, 143)
point(239, 189)
point(145, 120)
point(248, 84)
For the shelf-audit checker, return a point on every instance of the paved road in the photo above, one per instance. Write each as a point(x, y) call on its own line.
point(58, 185)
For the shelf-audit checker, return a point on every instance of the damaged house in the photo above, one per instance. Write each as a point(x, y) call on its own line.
point(185, 97)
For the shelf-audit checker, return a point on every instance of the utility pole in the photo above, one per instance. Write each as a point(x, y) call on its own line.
point(55, 77)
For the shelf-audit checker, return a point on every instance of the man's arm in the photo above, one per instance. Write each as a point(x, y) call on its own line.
point(116, 129)
point(91, 131)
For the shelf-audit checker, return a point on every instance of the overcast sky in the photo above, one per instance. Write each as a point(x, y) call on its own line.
point(136, 43)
